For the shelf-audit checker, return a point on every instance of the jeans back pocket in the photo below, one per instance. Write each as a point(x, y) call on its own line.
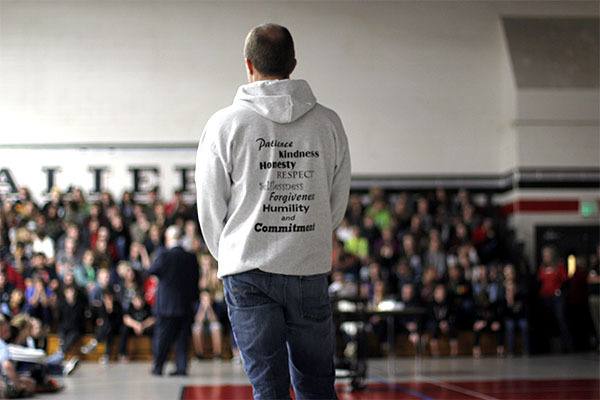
point(247, 289)
point(315, 304)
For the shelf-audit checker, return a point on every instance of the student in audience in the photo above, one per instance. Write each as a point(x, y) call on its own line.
point(102, 283)
point(401, 275)
point(119, 236)
point(410, 252)
point(410, 324)
point(14, 272)
point(190, 234)
point(139, 227)
point(435, 256)
point(54, 363)
point(71, 307)
point(427, 285)
point(127, 206)
point(402, 212)
point(380, 213)
point(37, 338)
point(488, 310)
point(369, 231)
point(138, 257)
point(355, 211)
point(577, 311)
point(137, 320)
point(5, 292)
point(461, 296)
point(376, 292)
point(341, 287)
point(552, 275)
point(129, 283)
point(210, 281)
point(387, 249)
point(206, 322)
point(37, 299)
point(40, 268)
point(370, 274)
point(515, 313)
point(109, 318)
point(67, 259)
point(15, 385)
point(42, 243)
point(154, 241)
point(342, 260)
point(33, 360)
point(85, 271)
point(441, 322)
point(357, 245)
point(16, 303)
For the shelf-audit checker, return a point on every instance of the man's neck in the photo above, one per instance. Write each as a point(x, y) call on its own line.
point(258, 77)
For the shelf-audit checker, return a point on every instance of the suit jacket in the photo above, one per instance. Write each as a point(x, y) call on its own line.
point(178, 273)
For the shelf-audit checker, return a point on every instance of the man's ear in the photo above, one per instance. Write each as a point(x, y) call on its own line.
point(249, 66)
point(293, 66)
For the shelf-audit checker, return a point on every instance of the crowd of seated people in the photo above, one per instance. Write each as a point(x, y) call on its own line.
point(453, 256)
point(76, 266)
point(79, 268)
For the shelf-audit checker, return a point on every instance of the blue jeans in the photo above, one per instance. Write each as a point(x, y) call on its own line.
point(284, 329)
point(510, 325)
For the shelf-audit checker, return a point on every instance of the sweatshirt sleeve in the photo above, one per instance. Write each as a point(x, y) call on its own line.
point(213, 187)
point(341, 180)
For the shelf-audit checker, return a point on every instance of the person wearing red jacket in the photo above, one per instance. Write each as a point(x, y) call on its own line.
point(12, 276)
point(552, 275)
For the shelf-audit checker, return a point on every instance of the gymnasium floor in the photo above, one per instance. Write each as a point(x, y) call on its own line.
point(548, 378)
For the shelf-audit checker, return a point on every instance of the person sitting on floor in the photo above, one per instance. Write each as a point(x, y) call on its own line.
point(37, 339)
point(15, 385)
point(31, 361)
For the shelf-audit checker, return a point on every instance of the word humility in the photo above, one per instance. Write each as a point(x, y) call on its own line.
point(291, 208)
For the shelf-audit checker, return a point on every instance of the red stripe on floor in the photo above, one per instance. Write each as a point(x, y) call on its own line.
point(514, 389)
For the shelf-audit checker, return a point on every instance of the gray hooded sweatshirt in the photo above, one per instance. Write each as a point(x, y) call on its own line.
point(272, 180)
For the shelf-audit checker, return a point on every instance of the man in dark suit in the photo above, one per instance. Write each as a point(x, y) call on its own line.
point(176, 295)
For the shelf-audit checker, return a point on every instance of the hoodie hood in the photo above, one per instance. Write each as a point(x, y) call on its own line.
point(281, 101)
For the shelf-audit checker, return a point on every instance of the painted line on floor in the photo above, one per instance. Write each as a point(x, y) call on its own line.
point(458, 389)
point(412, 392)
point(398, 386)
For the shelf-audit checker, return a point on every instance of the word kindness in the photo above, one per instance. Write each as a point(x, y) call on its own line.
point(262, 143)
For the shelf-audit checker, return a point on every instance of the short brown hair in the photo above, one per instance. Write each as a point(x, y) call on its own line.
point(270, 48)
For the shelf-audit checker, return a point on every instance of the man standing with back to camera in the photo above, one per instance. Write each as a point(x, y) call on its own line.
point(178, 273)
point(272, 176)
